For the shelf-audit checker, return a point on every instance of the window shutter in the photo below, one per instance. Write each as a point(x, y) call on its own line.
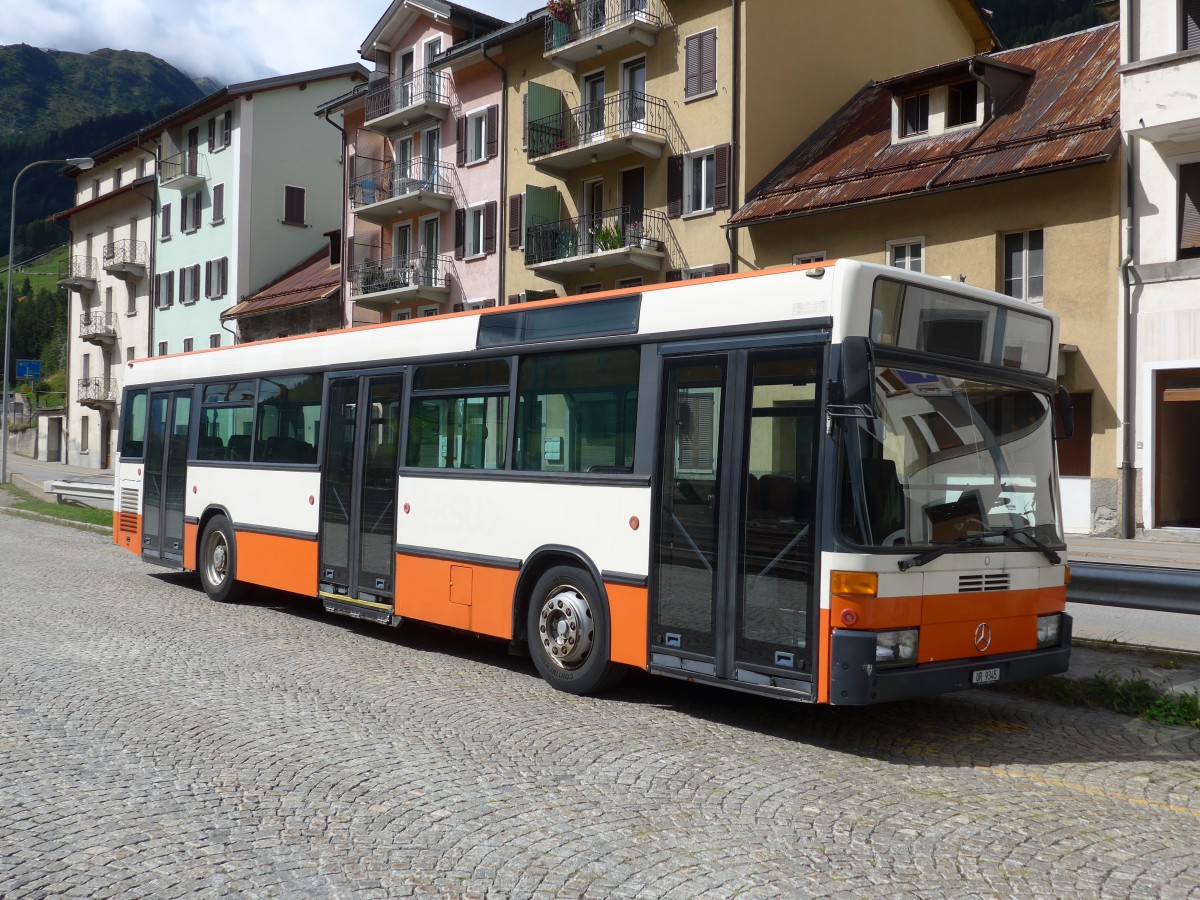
point(224, 276)
point(293, 205)
point(228, 127)
point(1189, 210)
point(218, 203)
point(674, 187)
point(489, 304)
point(721, 269)
point(514, 221)
point(208, 278)
point(183, 285)
point(460, 233)
point(708, 61)
point(166, 220)
point(212, 135)
point(458, 307)
point(196, 281)
point(195, 212)
point(489, 226)
point(675, 275)
point(514, 298)
point(691, 74)
point(460, 155)
point(493, 131)
point(721, 158)
point(183, 213)
point(524, 120)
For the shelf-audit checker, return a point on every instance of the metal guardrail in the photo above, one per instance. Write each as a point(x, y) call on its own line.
point(82, 490)
point(78, 267)
point(389, 182)
point(591, 17)
point(1150, 588)
point(422, 86)
point(98, 324)
point(125, 252)
point(419, 270)
point(598, 232)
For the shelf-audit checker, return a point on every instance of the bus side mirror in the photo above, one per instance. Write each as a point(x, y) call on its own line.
point(858, 372)
point(1064, 412)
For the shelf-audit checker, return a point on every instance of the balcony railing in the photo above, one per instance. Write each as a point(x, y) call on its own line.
point(416, 274)
point(125, 257)
point(615, 236)
point(423, 94)
point(638, 120)
point(97, 391)
point(615, 23)
point(98, 327)
point(390, 190)
point(78, 271)
point(182, 169)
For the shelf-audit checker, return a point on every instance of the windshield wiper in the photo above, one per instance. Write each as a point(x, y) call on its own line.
point(1035, 542)
point(967, 540)
point(978, 538)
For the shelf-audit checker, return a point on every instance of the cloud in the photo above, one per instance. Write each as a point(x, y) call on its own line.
point(230, 40)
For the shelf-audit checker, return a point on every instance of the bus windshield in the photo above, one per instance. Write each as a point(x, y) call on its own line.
point(948, 459)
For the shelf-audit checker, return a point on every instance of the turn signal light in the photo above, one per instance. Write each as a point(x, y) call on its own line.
point(854, 584)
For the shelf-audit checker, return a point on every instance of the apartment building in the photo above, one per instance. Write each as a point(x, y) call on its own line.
point(1160, 114)
point(422, 176)
point(633, 126)
point(248, 184)
point(107, 278)
point(1002, 170)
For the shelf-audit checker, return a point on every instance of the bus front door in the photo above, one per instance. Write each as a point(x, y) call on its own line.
point(733, 591)
point(358, 500)
point(166, 476)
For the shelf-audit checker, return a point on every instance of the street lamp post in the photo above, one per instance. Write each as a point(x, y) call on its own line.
point(80, 162)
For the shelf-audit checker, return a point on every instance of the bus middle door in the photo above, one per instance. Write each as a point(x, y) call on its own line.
point(165, 485)
point(358, 497)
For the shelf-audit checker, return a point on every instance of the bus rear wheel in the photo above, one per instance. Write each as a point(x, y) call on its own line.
point(568, 633)
point(218, 561)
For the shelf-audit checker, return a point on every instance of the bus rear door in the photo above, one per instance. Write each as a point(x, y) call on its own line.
point(733, 589)
point(165, 483)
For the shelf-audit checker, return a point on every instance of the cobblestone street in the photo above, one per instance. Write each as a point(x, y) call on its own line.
point(153, 743)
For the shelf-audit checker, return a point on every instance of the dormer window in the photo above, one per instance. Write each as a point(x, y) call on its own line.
point(961, 106)
point(915, 117)
point(936, 110)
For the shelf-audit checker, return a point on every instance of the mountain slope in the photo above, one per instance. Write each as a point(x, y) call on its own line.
point(49, 90)
point(1021, 22)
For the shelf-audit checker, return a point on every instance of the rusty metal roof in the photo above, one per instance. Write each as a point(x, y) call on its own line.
point(310, 282)
point(1064, 114)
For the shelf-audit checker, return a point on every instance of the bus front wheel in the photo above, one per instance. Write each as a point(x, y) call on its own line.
point(567, 631)
point(218, 561)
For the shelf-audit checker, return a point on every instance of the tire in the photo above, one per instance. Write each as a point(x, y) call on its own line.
point(218, 561)
point(568, 634)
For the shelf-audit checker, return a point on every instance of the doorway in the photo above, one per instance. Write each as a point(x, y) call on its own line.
point(734, 569)
point(165, 484)
point(1176, 477)
point(358, 501)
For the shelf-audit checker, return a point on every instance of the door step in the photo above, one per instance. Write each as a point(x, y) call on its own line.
point(359, 609)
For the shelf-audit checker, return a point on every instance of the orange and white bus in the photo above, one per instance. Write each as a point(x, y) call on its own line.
point(829, 483)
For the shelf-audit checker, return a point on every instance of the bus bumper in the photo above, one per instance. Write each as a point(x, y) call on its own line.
point(855, 681)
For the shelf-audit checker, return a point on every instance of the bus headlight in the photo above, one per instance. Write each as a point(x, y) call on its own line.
point(896, 648)
point(1048, 630)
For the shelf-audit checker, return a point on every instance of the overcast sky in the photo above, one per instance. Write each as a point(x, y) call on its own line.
point(230, 40)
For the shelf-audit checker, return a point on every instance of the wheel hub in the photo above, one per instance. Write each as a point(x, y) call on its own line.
point(565, 627)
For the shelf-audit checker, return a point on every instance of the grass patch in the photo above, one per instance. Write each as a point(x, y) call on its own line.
point(1141, 697)
point(68, 512)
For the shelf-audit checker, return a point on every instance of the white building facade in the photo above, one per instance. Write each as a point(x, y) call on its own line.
point(107, 278)
point(1160, 114)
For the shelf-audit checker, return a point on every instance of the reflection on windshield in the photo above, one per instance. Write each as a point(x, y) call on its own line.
point(947, 458)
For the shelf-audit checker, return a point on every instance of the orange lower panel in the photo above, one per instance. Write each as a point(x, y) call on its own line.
point(272, 560)
point(948, 621)
point(629, 611)
point(131, 536)
point(190, 542)
point(423, 591)
point(823, 641)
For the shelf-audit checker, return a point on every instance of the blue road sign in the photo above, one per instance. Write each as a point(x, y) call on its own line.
point(29, 369)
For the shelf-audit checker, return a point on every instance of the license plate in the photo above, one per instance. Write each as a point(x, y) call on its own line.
point(985, 676)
